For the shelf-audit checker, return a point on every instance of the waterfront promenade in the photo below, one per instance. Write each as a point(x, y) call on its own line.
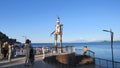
point(39, 63)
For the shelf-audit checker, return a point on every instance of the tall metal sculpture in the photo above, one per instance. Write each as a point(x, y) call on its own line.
point(56, 32)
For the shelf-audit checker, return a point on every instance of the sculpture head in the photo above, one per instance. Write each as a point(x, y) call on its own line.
point(58, 20)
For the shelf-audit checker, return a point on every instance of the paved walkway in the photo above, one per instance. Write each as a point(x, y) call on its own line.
point(19, 63)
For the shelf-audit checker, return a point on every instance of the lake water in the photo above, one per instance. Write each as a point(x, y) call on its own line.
point(101, 49)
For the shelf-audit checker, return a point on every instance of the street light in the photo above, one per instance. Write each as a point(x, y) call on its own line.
point(111, 45)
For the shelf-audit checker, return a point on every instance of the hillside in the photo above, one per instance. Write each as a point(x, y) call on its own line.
point(4, 38)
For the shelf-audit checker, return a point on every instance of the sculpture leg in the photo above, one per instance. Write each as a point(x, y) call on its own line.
point(55, 42)
point(61, 44)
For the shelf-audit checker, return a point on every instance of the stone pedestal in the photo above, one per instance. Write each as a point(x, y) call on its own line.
point(66, 58)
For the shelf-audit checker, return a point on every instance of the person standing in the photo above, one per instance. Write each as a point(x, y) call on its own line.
point(1, 56)
point(43, 51)
point(9, 52)
point(32, 57)
point(85, 49)
point(27, 48)
point(0, 47)
point(5, 49)
point(13, 50)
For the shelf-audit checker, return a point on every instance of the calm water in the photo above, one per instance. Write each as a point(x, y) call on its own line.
point(102, 50)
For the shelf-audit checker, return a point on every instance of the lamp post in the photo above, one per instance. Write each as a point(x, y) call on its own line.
point(111, 45)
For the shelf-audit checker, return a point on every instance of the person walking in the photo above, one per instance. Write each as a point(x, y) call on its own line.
point(9, 52)
point(27, 48)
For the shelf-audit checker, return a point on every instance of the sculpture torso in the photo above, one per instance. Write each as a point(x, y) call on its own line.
point(58, 29)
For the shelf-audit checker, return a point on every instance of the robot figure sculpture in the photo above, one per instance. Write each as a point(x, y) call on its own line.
point(58, 31)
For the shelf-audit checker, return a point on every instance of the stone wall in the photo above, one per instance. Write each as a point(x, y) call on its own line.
point(66, 58)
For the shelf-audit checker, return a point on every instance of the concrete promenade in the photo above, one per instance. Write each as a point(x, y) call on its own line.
point(39, 63)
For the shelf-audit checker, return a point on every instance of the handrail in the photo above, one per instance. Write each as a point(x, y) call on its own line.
point(98, 61)
point(89, 53)
point(106, 63)
point(107, 60)
point(68, 49)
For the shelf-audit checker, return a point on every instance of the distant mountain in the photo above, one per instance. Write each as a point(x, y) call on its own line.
point(78, 41)
point(84, 41)
point(110, 41)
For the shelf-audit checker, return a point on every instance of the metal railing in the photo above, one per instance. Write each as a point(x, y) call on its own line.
point(102, 63)
point(89, 53)
point(74, 64)
point(66, 49)
point(106, 63)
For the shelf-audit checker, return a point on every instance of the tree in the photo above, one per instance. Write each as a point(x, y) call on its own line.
point(4, 38)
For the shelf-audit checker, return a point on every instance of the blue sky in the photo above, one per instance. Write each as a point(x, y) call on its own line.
point(81, 19)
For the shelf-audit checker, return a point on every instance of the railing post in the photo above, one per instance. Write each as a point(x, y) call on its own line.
point(99, 63)
point(107, 63)
point(88, 53)
point(116, 65)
